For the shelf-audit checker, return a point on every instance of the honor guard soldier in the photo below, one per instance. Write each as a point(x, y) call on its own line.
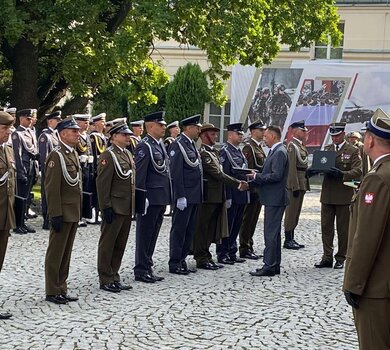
point(233, 161)
point(336, 197)
point(212, 223)
point(26, 154)
point(367, 274)
point(48, 140)
point(12, 112)
point(99, 144)
point(137, 128)
point(174, 131)
point(297, 182)
point(7, 189)
point(115, 188)
point(63, 188)
point(255, 157)
point(152, 167)
point(187, 185)
point(84, 150)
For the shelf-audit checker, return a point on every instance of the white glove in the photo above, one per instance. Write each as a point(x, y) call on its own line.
point(228, 203)
point(146, 206)
point(181, 203)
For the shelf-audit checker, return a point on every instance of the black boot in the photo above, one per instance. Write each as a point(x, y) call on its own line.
point(45, 225)
point(299, 245)
point(289, 242)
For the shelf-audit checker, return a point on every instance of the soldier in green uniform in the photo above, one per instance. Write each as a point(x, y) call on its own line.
point(7, 189)
point(367, 274)
point(255, 157)
point(212, 223)
point(63, 186)
point(297, 182)
point(336, 197)
point(115, 189)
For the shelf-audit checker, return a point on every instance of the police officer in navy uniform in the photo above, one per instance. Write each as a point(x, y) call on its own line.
point(26, 152)
point(232, 160)
point(152, 169)
point(187, 185)
point(98, 144)
point(48, 140)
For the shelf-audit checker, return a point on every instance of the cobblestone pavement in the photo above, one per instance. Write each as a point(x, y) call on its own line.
point(303, 308)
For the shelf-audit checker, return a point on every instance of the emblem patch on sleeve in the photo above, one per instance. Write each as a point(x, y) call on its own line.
point(51, 164)
point(141, 153)
point(104, 162)
point(369, 198)
point(172, 153)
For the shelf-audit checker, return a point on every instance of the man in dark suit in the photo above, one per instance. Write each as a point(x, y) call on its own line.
point(115, 190)
point(273, 195)
point(367, 275)
point(152, 167)
point(63, 193)
point(187, 184)
point(7, 189)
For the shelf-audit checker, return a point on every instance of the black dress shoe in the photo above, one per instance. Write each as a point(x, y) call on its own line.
point(298, 244)
point(29, 229)
point(156, 278)
point(250, 256)
point(262, 272)
point(110, 287)
point(235, 259)
point(56, 299)
point(277, 270)
point(225, 261)
point(5, 315)
point(70, 298)
point(290, 245)
point(19, 231)
point(123, 286)
point(323, 263)
point(338, 265)
point(218, 266)
point(207, 266)
point(146, 278)
point(190, 270)
point(179, 271)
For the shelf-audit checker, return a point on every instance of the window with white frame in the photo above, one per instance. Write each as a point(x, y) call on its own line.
point(220, 117)
point(325, 51)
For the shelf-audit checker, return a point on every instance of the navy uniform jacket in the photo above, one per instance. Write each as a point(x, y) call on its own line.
point(47, 141)
point(186, 170)
point(232, 157)
point(84, 150)
point(25, 150)
point(152, 171)
point(273, 179)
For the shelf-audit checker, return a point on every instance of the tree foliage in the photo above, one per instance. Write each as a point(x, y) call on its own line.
point(89, 46)
point(187, 93)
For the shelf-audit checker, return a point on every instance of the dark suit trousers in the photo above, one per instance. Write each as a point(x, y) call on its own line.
point(182, 231)
point(147, 230)
point(58, 258)
point(205, 232)
point(228, 246)
point(328, 214)
point(293, 210)
point(248, 226)
point(272, 226)
point(4, 234)
point(112, 245)
point(372, 321)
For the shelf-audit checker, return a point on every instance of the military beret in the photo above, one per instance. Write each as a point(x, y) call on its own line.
point(6, 118)
point(257, 125)
point(208, 127)
point(67, 123)
point(299, 125)
point(157, 117)
point(379, 124)
point(336, 128)
point(193, 120)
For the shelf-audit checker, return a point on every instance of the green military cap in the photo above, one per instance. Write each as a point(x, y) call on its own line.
point(6, 118)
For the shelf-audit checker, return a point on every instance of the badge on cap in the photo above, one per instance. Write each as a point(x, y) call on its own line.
point(51, 164)
point(369, 198)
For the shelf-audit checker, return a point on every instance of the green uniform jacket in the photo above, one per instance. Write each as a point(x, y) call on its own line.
point(216, 178)
point(62, 198)
point(367, 271)
point(297, 166)
point(348, 160)
point(7, 189)
point(113, 191)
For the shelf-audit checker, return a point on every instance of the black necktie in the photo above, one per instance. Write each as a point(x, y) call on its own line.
point(337, 148)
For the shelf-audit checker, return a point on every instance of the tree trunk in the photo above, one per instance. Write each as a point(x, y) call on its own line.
point(25, 75)
point(75, 105)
